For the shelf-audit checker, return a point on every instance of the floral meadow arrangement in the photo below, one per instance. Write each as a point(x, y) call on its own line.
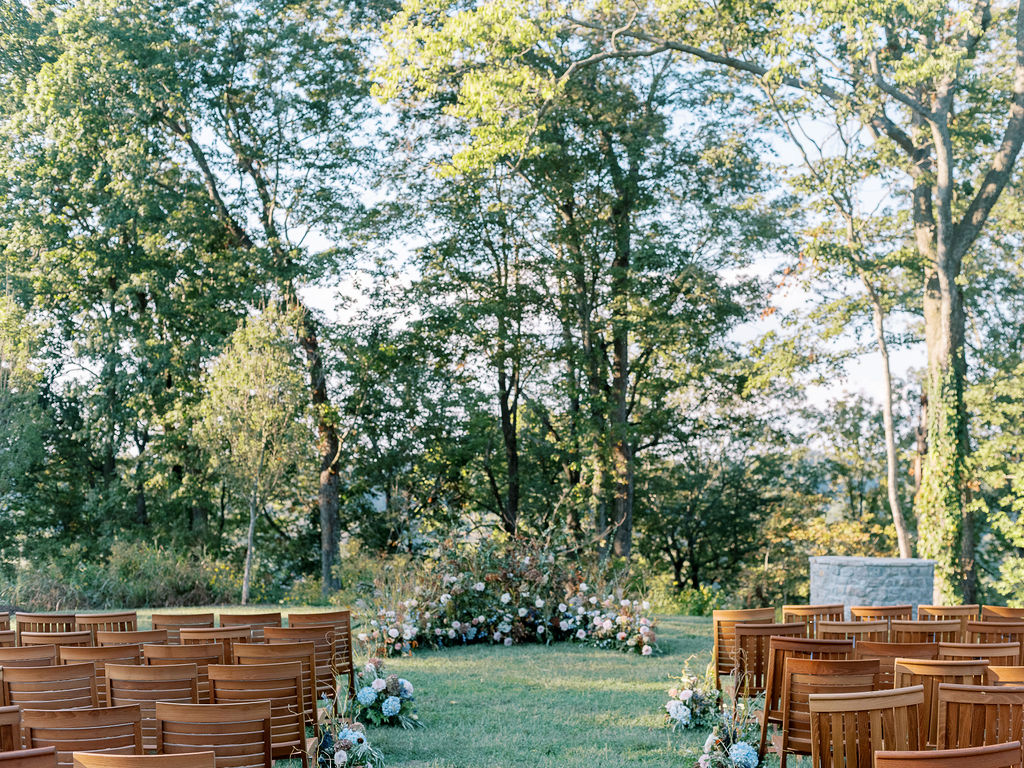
point(343, 744)
point(733, 735)
point(384, 699)
point(506, 593)
point(694, 701)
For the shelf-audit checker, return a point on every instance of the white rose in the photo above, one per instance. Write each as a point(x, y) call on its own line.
point(522, 612)
point(497, 637)
point(624, 603)
point(379, 684)
point(479, 586)
point(539, 603)
point(583, 587)
point(563, 625)
point(508, 641)
point(456, 624)
point(363, 637)
point(540, 629)
point(445, 598)
point(451, 634)
point(562, 607)
point(580, 634)
point(645, 605)
point(686, 694)
point(393, 633)
point(341, 758)
point(505, 597)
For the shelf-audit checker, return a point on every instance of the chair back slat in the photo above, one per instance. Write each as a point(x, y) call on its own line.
point(995, 756)
point(752, 648)
point(41, 757)
point(275, 653)
point(925, 631)
point(1004, 675)
point(875, 631)
point(996, 653)
point(112, 730)
point(146, 685)
point(8, 638)
point(848, 728)
point(172, 622)
point(10, 728)
point(887, 653)
point(723, 626)
point(1001, 613)
point(810, 615)
point(126, 621)
point(43, 622)
point(993, 631)
point(256, 621)
point(978, 715)
point(238, 734)
point(70, 686)
point(138, 637)
point(322, 636)
point(930, 674)
point(30, 656)
point(55, 638)
point(99, 657)
point(183, 760)
point(200, 655)
point(342, 622)
point(226, 636)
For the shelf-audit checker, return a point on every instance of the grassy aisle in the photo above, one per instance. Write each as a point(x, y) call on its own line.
point(567, 706)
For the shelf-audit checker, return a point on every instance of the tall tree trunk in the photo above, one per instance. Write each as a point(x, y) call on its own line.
point(507, 403)
point(250, 543)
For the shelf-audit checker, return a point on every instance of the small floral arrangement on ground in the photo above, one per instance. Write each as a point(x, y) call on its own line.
point(694, 702)
point(343, 744)
point(730, 743)
point(384, 699)
point(505, 593)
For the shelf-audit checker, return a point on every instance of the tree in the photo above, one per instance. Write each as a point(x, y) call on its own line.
point(253, 419)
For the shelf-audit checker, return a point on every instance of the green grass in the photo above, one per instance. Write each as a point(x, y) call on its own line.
point(563, 705)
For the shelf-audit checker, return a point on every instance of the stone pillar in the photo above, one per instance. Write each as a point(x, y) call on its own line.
point(871, 581)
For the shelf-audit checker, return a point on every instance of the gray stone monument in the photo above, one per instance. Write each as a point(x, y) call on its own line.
point(871, 581)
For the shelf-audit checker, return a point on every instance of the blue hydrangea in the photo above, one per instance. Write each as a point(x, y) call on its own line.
point(743, 755)
point(405, 687)
point(366, 696)
point(393, 705)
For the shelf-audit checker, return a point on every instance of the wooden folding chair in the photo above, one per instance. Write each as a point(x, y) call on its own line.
point(55, 638)
point(42, 757)
point(1001, 613)
point(146, 685)
point(930, 674)
point(255, 621)
point(875, 631)
point(925, 631)
point(8, 638)
point(238, 734)
point(810, 615)
point(226, 636)
point(276, 653)
point(139, 637)
point(172, 622)
point(322, 636)
point(848, 728)
point(723, 625)
point(126, 621)
point(112, 730)
point(43, 622)
point(1004, 675)
point(961, 613)
point(979, 715)
point(31, 656)
point(779, 650)
point(801, 678)
point(996, 653)
point(995, 756)
point(751, 653)
point(200, 655)
point(887, 653)
point(70, 686)
point(99, 657)
point(993, 631)
point(182, 760)
point(342, 623)
point(10, 728)
point(281, 685)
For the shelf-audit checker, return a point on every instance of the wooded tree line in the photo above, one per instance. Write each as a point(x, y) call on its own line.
point(557, 240)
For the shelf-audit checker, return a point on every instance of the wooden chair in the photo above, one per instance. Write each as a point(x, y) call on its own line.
point(1001, 613)
point(810, 615)
point(238, 734)
point(111, 730)
point(803, 677)
point(995, 756)
point(996, 632)
point(848, 728)
point(99, 657)
point(44, 622)
point(961, 613)
point(930, 674)
point(10, 728)
point(173, 622)
point(978, 715)
point(138, 637)
point(281, 685)
point(226, 636)
point(304, 653)
point(779, 650)
point(322, 637)
point(925, 631)
point(875, 631)
point(723, 625)
point(887, 653)
point(55, 638)
point(183, 760)
point(200, 655)
point(751, 654)
point(32, 656)
point(146, 685)
point(41, 757)
point(70, 686)
point(1009, 675)
point(5, 620)
point(126, 621)
point(8, 638)
point(881, 612)
point(996, 653)
point(342, 622)
point(256, 621)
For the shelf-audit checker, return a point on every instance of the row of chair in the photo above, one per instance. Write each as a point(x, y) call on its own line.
point(46, 757)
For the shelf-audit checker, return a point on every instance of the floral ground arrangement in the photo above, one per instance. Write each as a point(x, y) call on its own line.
point(505, 595)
